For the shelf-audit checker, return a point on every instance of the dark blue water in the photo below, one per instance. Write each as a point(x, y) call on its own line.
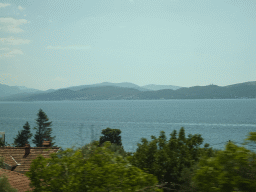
point(73, 121)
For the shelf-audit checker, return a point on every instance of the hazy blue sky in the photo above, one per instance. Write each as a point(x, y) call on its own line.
point(59, 43)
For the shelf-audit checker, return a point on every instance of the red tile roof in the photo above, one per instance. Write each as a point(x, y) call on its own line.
point(9, 160)
point(15, 156)
point(17, 180)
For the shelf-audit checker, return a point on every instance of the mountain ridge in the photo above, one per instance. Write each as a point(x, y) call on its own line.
point(123, 84)
point(241, 90)
point(6, 90)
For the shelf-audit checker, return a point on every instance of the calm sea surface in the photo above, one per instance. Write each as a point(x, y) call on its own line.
point(75, 123)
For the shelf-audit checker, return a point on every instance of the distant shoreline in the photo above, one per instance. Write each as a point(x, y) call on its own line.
point(130, 100)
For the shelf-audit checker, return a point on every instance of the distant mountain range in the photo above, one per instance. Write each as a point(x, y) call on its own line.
point(159, 87)
point(130, 91)
point(124, 84)
point(6, 90)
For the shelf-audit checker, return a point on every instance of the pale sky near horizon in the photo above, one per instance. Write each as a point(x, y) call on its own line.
point(53, 44)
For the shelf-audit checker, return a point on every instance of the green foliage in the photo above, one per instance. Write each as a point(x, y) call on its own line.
point(5, 185)
point(186, 177)
point(90, 169)
point(2, 163)
point(251, 137)
point(43, 129)
point(230, 170)
point(23, 136)
point(117, 149)
point(166, 160)
point(112, 135)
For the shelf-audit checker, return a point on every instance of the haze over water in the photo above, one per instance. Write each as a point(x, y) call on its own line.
point(51, 45)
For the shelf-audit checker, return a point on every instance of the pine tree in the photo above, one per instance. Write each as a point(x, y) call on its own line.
point(23, 136)
point(43, 129)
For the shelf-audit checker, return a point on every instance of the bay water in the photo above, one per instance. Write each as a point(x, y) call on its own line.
point(76, 123)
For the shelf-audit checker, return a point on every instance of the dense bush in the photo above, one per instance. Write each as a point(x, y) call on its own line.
point(5, 185)
point(115, 148)
point(230, 170)
point(96, 169)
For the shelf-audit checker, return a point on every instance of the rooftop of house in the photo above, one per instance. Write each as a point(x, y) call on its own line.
point(19, 158)
point(18, 181)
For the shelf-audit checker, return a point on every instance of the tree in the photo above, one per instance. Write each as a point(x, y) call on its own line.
point(5, 185)
point(167, 160)
point(251, 137)
point(23, 136)
point(97, 170)
point(233, 169)
point(2, 166)
point(43, 129)
point(117, 149)
point(111, 135)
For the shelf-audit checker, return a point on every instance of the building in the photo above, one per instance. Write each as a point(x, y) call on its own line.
point(17, 161)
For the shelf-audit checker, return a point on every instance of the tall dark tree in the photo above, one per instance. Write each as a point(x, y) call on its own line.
point(112, 135)
point(43, 129)
point(22, 138)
